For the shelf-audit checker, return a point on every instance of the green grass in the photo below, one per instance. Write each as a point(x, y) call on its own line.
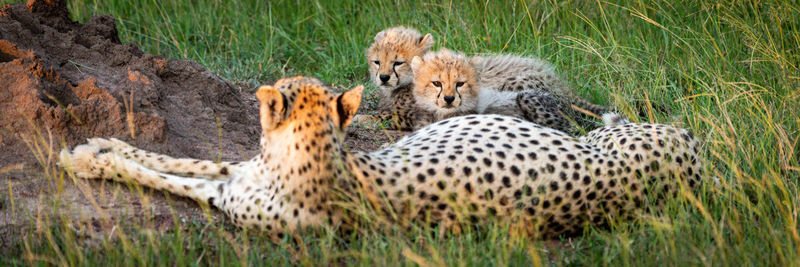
point(727, 70)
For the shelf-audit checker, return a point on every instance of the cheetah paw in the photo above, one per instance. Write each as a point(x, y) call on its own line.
point(86, 161)
point(612, 119)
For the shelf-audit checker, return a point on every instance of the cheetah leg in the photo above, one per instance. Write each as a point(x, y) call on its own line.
point(92, 162)
point(579, 103)
point(166, 164)
point(543, 108)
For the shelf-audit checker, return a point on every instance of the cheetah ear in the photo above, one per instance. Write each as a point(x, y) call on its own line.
point(380, 36)
point(272, 107)
point(426, 42)
point(416, 63)
point(347, 104)
point(474, 60)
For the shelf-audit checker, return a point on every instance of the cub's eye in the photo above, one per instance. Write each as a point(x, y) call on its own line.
point(376, 62)
point(436, 83)
point(398, 63)
point(459, 84)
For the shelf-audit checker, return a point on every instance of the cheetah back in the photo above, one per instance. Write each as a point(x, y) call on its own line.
point(473, 168)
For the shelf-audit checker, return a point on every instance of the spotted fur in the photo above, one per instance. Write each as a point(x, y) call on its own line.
point(459, 171)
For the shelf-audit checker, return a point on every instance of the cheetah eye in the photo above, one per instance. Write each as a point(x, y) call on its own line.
point(436, 83)
point(377, 62)
point(398, 63)
point(459, 84)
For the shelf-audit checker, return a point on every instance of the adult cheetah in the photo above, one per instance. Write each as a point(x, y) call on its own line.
point(459, 171)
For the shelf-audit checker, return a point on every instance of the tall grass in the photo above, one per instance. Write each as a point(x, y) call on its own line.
point(727, 70)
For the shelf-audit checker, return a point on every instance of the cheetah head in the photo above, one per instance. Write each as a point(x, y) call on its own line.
point(301, 115)
point(390, 53)
point(444, 82)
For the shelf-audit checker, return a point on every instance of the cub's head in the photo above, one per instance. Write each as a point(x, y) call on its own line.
point(303, 109)
point(444, 82)
point(390, 53)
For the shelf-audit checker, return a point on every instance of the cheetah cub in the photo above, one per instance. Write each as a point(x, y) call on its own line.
point(388, 59)
point(447, 84)
point(515, 74)
point(461, 171)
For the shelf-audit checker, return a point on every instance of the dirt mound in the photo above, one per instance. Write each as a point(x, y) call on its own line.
point(77, 80)
point(62, 81)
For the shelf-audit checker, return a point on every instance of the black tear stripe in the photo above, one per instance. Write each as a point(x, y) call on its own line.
point(394, 70)
point(340, 111)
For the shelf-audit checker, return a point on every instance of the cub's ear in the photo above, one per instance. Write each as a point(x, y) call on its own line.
point(347, 105)
point(272, 107)
point(474, 60)
point(380, 36)
point(416, 63)
point(426, 42)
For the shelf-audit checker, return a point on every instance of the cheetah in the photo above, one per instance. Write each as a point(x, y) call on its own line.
point(447, 84)
point(516, 73)
point(301, 122)
point(456, 172)
point(388, 59)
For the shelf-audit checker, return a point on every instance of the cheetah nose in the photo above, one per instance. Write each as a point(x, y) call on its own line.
point(449, 99)
point(384, 77)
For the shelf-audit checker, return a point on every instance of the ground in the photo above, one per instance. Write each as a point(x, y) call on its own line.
point(726, 71)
